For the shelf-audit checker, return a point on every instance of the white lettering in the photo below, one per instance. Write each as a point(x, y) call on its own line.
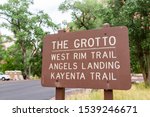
point(78, 56)
point(103, 55)
point(95, 42)
point(58, 57)
point(102, 76)
point(112, 40)
point(60, 44)
point(63, 66)
point(101, 65)
point(68, 75)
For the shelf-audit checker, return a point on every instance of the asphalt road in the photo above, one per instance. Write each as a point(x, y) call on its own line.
point(32, 89)
point(25, 90)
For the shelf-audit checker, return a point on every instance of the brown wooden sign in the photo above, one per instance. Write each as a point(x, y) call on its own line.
point(87, 59)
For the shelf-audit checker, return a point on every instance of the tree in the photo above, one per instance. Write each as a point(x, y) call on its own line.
point(2, 52)
point(27, 27)
point(135, 14)
point(1, 48)
point(11, 58)
point(84, 13)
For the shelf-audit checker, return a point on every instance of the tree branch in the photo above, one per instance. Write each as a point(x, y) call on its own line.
point(2, 13)
point(82, 23)
point(6, 20)
point(34, 50)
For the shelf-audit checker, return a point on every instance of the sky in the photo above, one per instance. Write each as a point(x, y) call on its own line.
point(50, 7)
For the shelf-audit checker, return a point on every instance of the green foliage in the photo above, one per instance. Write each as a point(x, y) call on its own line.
point(135, 14)
point(10, 59)
point(84, 13)
point(28, 29)
point(1, 48)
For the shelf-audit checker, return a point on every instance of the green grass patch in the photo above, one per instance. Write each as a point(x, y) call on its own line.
point(34, 77)
point(137, 92)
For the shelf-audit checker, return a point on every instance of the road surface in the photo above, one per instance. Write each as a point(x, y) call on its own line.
point(25, 90)
point(32, 89)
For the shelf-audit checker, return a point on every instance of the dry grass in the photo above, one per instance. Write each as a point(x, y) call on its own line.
point(137, 92)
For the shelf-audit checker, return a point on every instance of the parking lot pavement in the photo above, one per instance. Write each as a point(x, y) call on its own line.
point(24, 90)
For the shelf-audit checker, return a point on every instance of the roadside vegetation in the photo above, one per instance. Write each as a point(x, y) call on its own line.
point(137, 92)
point(28, 29)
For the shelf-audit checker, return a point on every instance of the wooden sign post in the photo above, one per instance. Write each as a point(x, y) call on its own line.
point(60, 92)
point(108, 94)
point(97, 59)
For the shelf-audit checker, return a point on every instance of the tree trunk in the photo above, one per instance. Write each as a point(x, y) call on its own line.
point(146, 70)
point(144, 60)
point(30, 66)
point(24, 57)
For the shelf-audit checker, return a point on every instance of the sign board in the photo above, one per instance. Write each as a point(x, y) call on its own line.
point(96, 59)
